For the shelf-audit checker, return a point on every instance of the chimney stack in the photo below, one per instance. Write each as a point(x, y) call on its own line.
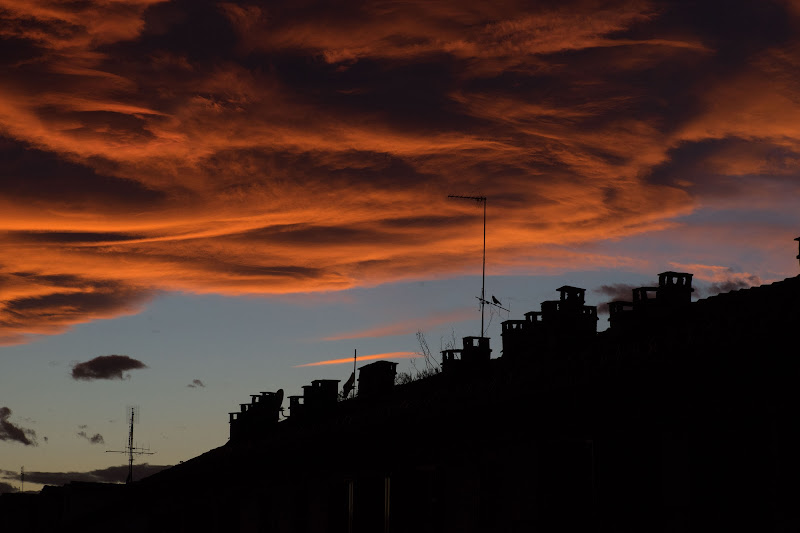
point(798, 243)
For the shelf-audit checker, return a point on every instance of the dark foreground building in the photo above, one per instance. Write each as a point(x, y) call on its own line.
point(682, 416)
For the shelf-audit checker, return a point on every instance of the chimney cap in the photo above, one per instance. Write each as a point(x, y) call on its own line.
point(570, 288)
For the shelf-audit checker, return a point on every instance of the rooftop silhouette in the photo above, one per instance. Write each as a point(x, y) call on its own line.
point(679, 417)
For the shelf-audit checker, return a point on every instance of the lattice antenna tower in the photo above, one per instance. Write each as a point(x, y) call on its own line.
point(132, 414)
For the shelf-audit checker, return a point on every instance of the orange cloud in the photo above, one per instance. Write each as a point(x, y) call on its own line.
point(713, 273)
point(347, 360)
point(313, 149)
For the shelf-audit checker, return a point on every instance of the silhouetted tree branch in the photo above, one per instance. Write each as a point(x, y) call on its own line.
point(432, 366)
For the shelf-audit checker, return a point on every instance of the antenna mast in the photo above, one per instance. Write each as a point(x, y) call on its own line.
point(479, 199)
point(131, 449)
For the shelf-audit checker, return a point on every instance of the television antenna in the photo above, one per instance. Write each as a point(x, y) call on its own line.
point(131, 413)
point(482, 297)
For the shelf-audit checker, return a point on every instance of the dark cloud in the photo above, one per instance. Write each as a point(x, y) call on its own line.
point(733, 281)
point(71, 237)
point(29, 174)
point(112, 474)
point(303, 235)
point(106, 367)
point(722, 25)
point(97, 438)
point(733, 284)
point(175, 25)
point(7, 487)
point(615, 292)
point(706, 167)
point(196, 383)
point(12, 432)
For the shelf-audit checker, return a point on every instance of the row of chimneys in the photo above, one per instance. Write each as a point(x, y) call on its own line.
point(567, 316)
point(256, 418)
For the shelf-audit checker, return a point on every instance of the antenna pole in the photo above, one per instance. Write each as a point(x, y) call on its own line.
point(483, 273)
point(22, 479)
point(131, 450)
point(355, 358)
point(479, 199)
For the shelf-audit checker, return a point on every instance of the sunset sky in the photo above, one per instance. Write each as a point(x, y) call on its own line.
point(223, 192)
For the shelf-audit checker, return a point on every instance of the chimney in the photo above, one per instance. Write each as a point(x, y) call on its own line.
point(674, 288)
point(376, 379)
point(798, 243)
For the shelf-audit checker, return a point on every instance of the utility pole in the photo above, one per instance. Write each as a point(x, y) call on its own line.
point(479, 199)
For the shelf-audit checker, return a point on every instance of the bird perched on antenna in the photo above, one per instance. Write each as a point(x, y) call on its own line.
point(495, 300)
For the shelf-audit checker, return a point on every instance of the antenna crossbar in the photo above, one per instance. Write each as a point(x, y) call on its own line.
point(493, 304)
point(477, 198)
point(130, 449)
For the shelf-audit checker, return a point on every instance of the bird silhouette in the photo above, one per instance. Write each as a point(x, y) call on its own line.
point(495, 300)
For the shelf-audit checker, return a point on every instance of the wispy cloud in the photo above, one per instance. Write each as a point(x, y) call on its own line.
point(721, 278)
point(388, 355)
point(312, 149)
point(112, 474)
point(97, 438)
point(12, 432)
point(617, 291)
point(196, 383)
point(735, 283)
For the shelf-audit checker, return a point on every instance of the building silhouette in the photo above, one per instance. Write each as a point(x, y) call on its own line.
point(681, 416)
